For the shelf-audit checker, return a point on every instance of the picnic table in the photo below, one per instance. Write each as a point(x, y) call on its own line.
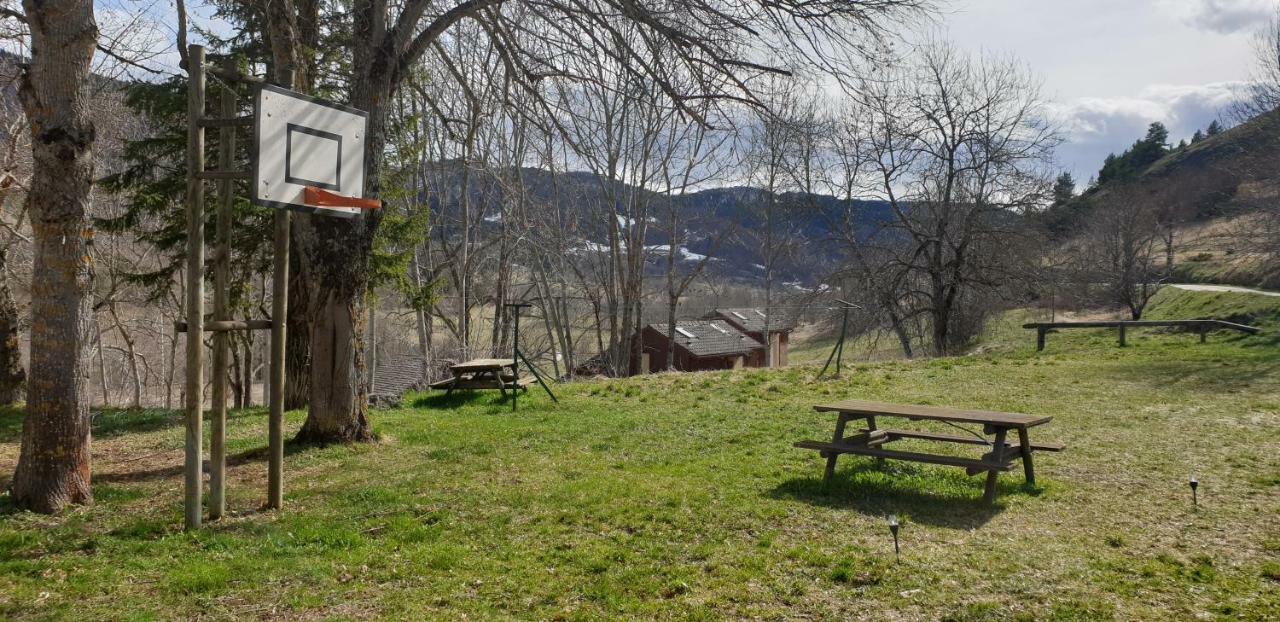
point(871, 440)
point(484, 374)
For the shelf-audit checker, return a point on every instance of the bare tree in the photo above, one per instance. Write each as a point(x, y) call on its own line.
point(1122, 250)
point(1262, 92)
point(956, 146)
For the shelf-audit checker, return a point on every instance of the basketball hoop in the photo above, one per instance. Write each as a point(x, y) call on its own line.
point(323, 198)
point(309, 154)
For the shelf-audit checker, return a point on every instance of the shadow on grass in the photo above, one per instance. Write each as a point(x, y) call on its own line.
point(112, 422)
point(926, 494)
point(1196, 374)
point(257, 454)
point(459, 399)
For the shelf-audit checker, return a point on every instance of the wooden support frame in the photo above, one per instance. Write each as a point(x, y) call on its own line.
point(220, 323)
point(1202, 327)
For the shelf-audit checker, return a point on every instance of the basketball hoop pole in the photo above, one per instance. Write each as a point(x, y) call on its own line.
point(517, 356)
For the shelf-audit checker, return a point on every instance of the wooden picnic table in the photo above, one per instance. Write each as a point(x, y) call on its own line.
point(871, 440)
point(483, 374)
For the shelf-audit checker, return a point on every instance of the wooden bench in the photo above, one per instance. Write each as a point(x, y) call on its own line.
point(482, 374)
point(870, 441)
point(1203, 327)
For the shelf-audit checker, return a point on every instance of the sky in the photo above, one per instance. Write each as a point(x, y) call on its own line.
point(1109, 68)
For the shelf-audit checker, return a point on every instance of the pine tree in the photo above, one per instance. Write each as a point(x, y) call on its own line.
point(1197, 137)
point(1214, 129)
point(1064, 189)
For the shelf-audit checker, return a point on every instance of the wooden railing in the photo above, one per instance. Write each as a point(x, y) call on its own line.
point(1202, 327)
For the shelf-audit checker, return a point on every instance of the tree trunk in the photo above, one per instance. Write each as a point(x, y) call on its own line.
point(11, 373)
point(297, 364)
point(337, 271)
point(53, 464)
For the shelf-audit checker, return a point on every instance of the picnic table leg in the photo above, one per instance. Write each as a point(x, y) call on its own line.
point(453, 385)
point(1040, 331)
point(1028, 468)
point(1122, 344)
point(997, 457)
point(871, 427)
point(835, 438)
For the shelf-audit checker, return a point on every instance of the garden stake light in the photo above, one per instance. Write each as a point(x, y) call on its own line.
point(893, 529)
point(1195, 483)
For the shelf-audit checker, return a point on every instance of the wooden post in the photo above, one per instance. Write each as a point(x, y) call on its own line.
point(279, 311)
point(1040, 333)
point(1203, 332)
point(997, 458)
point(221, 267)
point(1122, 327)
point(279, 317)
point(195, 288)
point(1028, 467)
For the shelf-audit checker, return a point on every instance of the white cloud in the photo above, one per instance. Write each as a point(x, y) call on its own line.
point(1223, 16)
point(1095, 126)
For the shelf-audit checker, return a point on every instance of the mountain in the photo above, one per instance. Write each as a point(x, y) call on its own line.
point(726, 223)
point(1228, 173)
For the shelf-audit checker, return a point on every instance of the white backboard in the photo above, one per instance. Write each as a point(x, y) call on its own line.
point(302, 141)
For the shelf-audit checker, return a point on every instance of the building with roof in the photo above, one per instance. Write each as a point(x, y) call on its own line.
point(752, 321)
point(700, 345)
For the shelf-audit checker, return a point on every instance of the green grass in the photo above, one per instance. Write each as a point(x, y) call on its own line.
point(1171, 303)
point(680, 497)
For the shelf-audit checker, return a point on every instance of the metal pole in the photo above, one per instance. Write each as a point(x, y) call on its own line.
point(844, 327)
point(515, 356)
point(221, 267)
point(279, 313)
point(195, 288)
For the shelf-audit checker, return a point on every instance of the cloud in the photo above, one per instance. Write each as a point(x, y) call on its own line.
point(1223, 16)
point(1094, 127)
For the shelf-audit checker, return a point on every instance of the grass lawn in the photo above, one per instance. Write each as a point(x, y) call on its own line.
point(680, 497)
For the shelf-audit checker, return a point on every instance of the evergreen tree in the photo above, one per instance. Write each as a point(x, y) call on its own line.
point(1064, 189)
point(1197, 137)
point(1214, 129)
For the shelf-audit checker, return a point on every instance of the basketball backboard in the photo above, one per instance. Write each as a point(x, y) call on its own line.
point(307, 148)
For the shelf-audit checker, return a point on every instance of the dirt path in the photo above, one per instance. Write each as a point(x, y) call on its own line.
point(1196, 287)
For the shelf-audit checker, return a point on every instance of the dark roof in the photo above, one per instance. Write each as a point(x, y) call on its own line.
point(710, 337)
point(398, 376)
point(752, 320)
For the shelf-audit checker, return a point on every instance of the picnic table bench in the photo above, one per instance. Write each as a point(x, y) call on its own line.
point(484, 374)
point(871, 440)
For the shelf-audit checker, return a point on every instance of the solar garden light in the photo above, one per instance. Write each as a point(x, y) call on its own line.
point(893, 529)
point(1195, 483)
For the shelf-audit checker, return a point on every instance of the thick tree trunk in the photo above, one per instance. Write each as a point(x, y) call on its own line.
point(11, 373)
point(53, 465)
point(337, 270)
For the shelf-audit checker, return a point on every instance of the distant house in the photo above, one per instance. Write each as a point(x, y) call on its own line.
point(751, 322)
point(700, 345)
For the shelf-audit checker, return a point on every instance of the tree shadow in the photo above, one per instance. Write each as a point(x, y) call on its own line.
point(458, 399)
point(926, 494)
point(1199, 375)
point(257, 454)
